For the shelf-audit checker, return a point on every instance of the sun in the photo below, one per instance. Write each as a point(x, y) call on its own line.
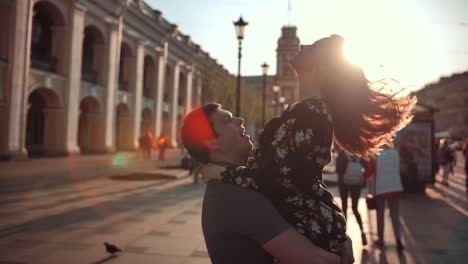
point(390, 40)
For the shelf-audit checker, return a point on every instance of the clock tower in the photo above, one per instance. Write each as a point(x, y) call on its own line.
point(288, 46)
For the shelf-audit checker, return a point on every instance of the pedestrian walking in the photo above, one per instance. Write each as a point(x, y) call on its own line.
point(447, 156)
point(148, 142)
point(350, 172)
point(385, 183)
point(141, 147)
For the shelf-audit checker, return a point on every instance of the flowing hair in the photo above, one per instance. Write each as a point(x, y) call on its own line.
point(365, 118)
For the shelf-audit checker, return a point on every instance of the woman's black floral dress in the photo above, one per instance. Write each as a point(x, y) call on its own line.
point(287, 168)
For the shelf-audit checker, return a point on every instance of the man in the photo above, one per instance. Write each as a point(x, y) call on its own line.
point(239, 225)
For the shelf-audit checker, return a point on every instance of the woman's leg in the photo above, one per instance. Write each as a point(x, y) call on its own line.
point(380, 219)
point(355, 194)
point(394, 207)
point(344, 198)
point(446, 173)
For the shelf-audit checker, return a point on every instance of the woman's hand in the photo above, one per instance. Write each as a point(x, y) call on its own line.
point(212, 172)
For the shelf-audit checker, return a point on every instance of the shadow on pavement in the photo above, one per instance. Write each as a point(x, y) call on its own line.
point(141, 176)
point(139, 204)
point(104, 260)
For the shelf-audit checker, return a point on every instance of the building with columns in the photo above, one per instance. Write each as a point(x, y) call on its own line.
point(90, 76)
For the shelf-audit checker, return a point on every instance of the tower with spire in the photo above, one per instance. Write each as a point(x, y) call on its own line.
point(288, 46)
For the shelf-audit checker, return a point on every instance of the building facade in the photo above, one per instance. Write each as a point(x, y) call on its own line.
point(288, 46)
point(450, 97)
point(87, 76)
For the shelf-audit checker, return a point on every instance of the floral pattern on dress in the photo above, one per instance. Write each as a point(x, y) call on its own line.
point(287, 168)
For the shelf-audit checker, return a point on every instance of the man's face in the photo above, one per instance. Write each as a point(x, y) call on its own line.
point(231, 136)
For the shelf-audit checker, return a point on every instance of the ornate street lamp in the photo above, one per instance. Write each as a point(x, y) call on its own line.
point(276, 89)
point(282, 102)
point(240, 26)
point(265, 67)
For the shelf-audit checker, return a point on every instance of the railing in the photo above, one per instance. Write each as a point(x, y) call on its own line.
point(147, 10)
point(147, 92)
point(123, 86)
point(44, 63)
point(89, 75)
point(148, 102)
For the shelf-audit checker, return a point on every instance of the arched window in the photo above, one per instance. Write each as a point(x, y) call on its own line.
point(148, 77)
point(42, 35)
point(91, 59)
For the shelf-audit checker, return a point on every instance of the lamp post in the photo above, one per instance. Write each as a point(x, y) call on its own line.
point(282, 103)
point(276, 89)
point(240, 26)
point(265, 67)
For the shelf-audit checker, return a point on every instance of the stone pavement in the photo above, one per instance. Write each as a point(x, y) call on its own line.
point(157, 219)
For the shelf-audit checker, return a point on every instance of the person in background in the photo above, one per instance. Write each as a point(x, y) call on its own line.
point(447, 159)
point(385, 182)
point(141, 147)
point(148, 144)
point(465, 155)
point(353, 189)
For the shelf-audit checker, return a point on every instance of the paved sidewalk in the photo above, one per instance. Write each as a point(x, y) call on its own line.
point(157, 220)
point(43, 173)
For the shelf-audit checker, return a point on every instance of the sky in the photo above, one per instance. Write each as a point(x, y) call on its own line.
point(412, 41)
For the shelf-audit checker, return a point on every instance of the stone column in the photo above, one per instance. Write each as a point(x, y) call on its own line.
point(199, 90)
point(188, 99)
point(17, 75)
point(138, 95)
point(72, 93)
point(175, 104)
point(161, 73)
point(111, 81)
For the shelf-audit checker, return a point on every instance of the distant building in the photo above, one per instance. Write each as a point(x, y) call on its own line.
point(288, 46)
point(450, 96)
point(93, 75)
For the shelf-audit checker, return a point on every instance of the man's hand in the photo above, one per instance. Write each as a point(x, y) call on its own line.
point(347, 256)
point(211, 172)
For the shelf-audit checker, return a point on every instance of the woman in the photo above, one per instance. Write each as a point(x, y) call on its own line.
point(336, 103)
point(352, 189)
point(385, 183)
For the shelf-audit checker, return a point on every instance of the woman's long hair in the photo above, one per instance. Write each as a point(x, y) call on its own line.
point(364, 117)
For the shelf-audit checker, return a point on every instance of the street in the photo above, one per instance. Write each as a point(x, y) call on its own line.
point(63, 209)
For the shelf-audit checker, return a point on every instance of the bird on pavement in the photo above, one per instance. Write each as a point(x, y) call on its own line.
point(112, 249)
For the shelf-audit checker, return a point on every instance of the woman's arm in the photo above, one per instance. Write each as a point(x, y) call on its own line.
point(242, 176)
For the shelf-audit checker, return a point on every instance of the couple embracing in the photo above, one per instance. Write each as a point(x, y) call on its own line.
point(272, 206)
